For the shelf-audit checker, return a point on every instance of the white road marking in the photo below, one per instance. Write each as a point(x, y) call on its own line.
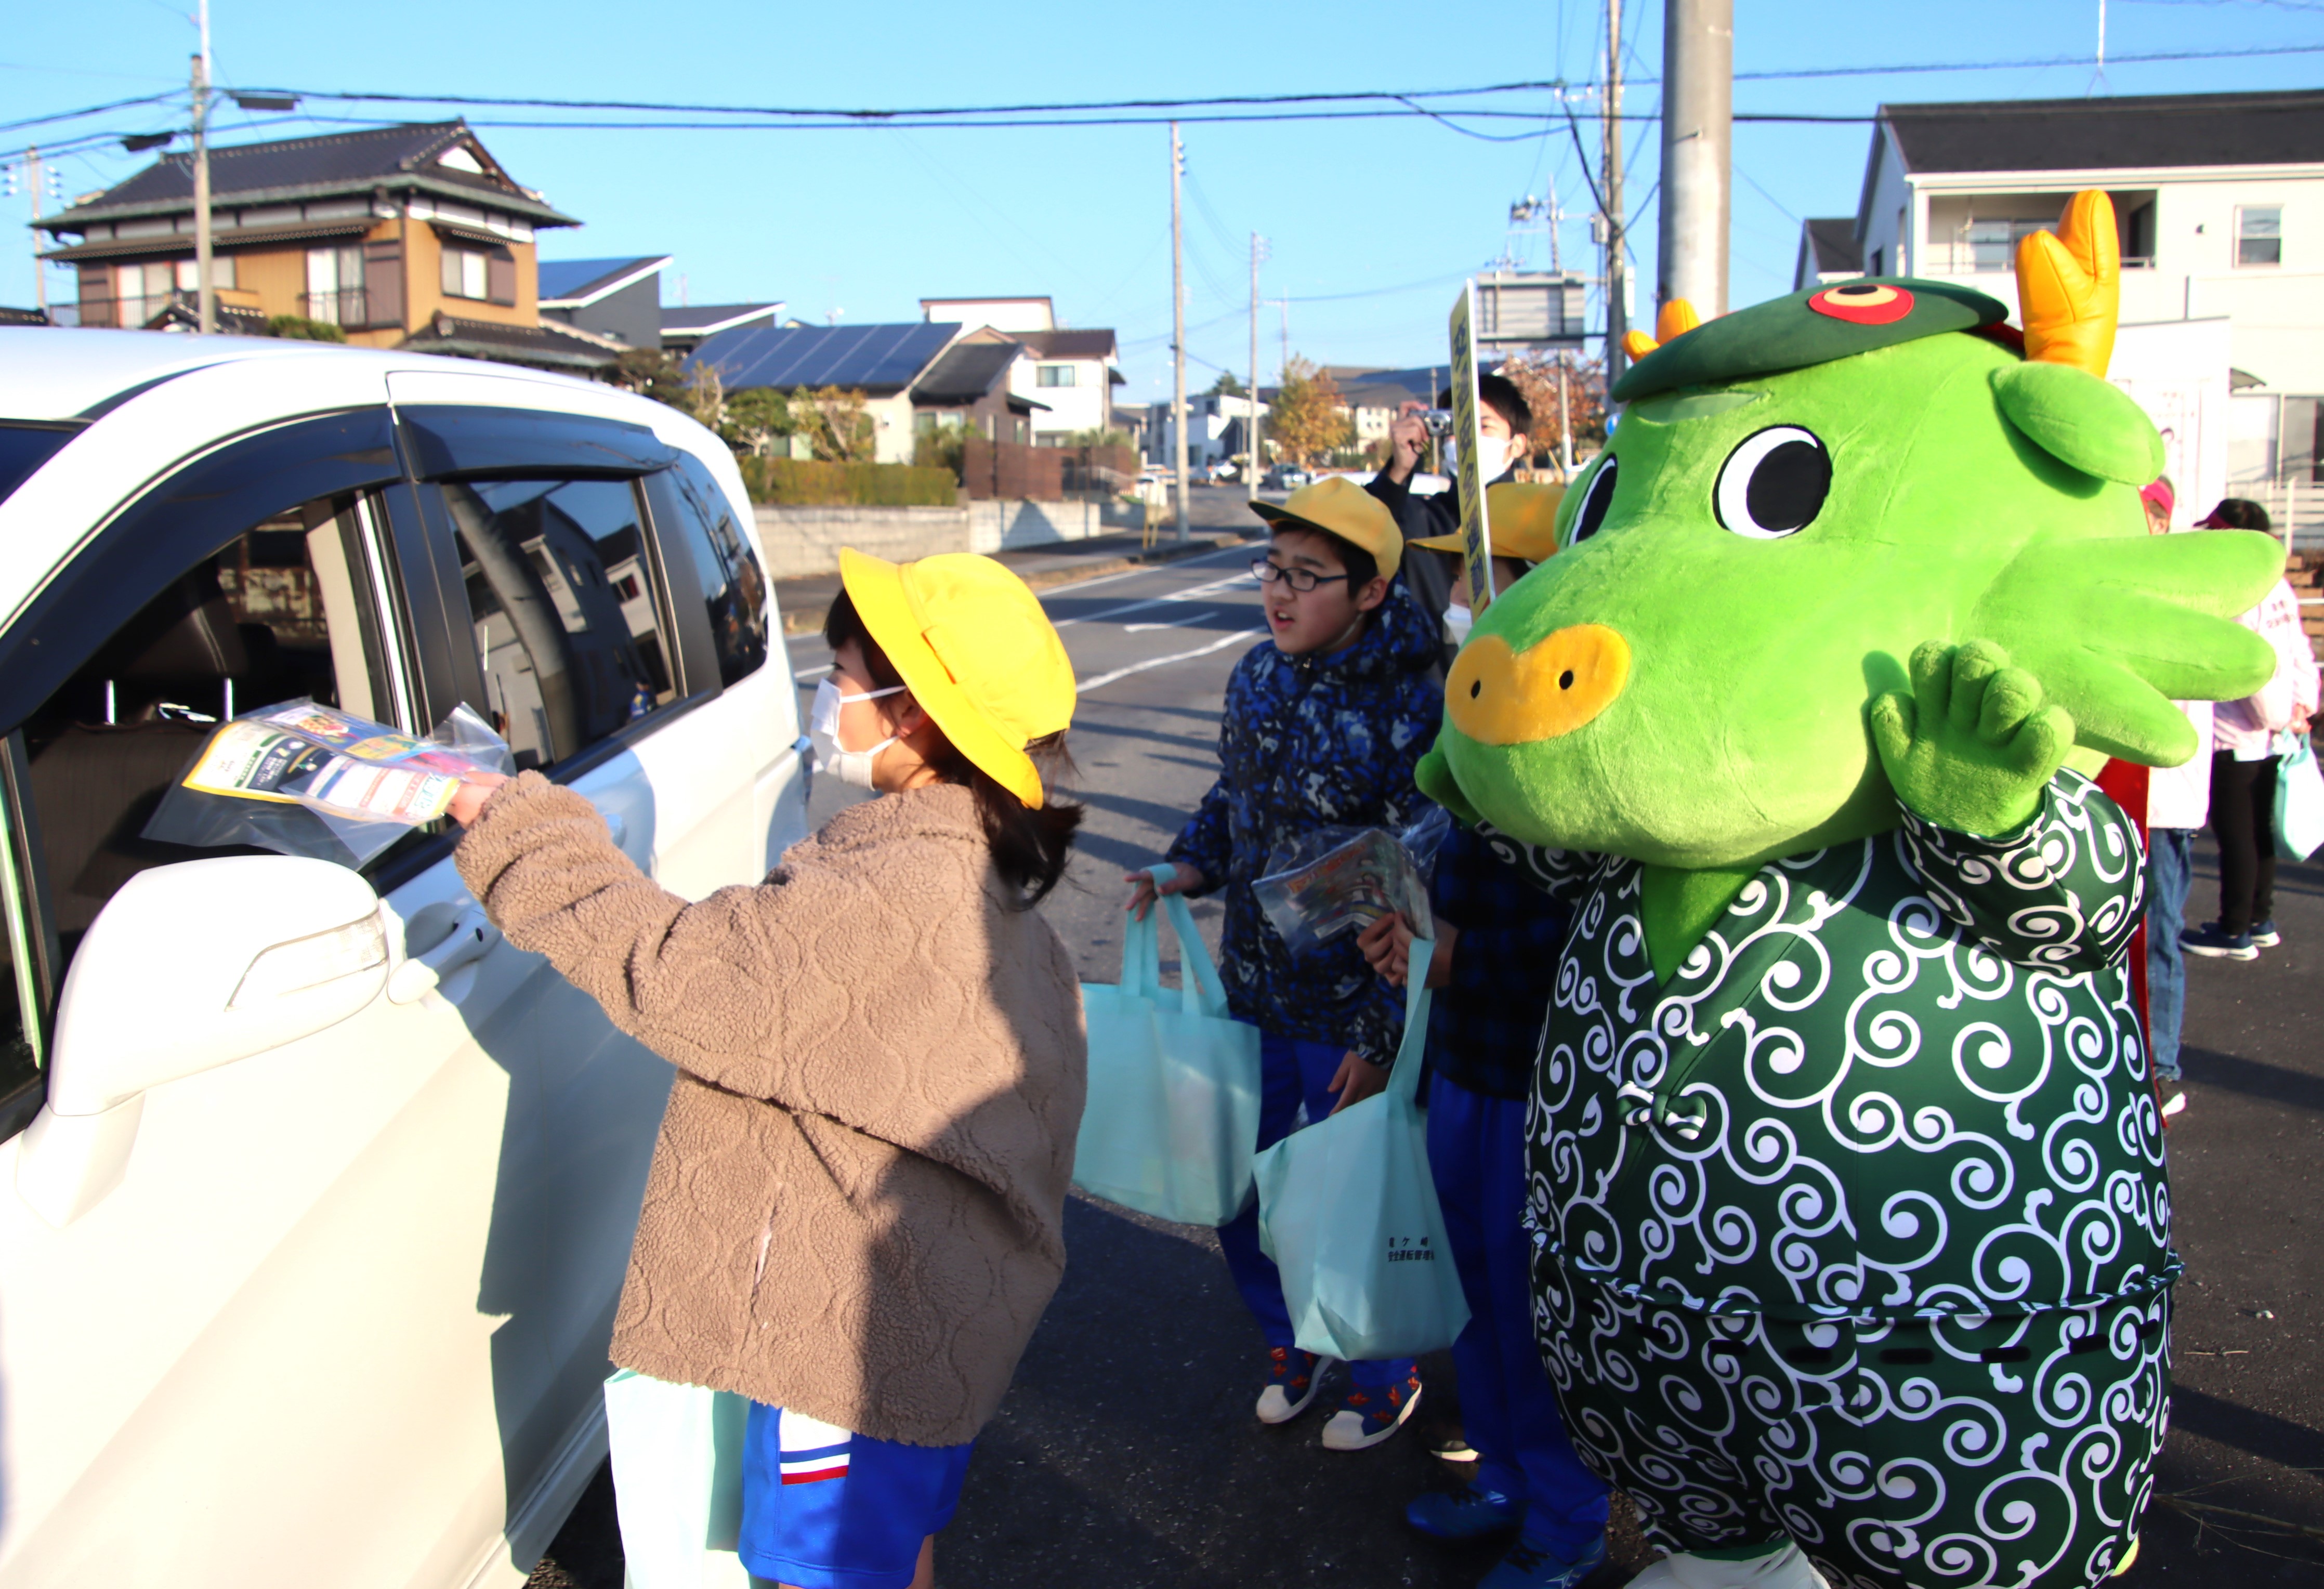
point(1192, 591)
point(1244, 637)
point(1174, 623)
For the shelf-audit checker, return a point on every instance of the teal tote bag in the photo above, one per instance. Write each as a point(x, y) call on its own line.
point(1348, 1210)
point(1172, 1111)
point(2299, 802)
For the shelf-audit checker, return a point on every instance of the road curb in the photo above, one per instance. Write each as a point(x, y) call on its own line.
point(802, 622)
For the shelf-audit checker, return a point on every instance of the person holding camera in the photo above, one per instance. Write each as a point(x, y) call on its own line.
point(1503, 420)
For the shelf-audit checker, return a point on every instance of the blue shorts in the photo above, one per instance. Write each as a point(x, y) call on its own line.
point(823, 1509)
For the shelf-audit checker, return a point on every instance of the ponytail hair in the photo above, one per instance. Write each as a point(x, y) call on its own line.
point(1031, 846)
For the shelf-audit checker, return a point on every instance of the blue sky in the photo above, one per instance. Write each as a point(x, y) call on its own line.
point(866, 222)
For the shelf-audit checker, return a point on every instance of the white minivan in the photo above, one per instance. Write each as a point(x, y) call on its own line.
point(315, 1195)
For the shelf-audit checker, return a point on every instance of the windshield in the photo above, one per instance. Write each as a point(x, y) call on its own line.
point(25, 448)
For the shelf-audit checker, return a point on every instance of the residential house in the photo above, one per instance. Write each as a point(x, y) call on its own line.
point(616, 297)
point(883, 362)
point(1001, 314)
point(402, 236)
point(2219, 209)
point(1829, 253)
point(1215, 422)
point(969, 385)
point(684, 328)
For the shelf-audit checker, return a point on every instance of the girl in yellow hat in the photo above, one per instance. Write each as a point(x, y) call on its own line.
point(856, 1212)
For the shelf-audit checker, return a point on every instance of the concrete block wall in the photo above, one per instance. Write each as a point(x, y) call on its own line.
point(1002, 525)
point(806, 540)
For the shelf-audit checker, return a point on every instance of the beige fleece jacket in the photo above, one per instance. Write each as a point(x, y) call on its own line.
point(857, 1202)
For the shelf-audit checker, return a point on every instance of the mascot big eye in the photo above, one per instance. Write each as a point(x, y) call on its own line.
point(1852, 1230)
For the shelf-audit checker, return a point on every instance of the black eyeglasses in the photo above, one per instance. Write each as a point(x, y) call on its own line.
point(1300, 580)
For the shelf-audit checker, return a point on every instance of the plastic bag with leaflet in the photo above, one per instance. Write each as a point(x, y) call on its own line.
point(305, 778)
point(1334, 880)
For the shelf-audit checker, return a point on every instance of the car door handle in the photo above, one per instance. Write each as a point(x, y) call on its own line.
point(472, 937)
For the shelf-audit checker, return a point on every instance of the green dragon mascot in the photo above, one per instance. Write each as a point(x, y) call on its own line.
point(1845, 1173)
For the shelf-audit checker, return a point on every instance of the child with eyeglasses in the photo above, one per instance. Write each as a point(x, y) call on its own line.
point(1322, 727)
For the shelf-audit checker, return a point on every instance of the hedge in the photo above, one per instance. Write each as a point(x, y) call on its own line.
point(803, 483)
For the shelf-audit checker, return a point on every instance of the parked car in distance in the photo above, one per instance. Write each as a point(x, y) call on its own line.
point(1218, 473)
point(1286, 477)
point(314, 1194)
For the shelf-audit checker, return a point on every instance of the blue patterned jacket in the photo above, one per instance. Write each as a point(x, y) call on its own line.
point(1307, 743)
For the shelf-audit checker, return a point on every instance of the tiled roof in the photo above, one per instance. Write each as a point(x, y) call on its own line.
point(574, 284)
point(966, 372)
point(548, 345)
point(878, 360)
point(1091, 343)
point(397, 157)
point(2264, 127)
point(221, 238)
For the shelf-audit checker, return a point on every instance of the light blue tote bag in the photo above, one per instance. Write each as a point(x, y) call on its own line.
point(1172, 1111)
point(2299, 802)
point(678, 1481)
point(1348, 1210)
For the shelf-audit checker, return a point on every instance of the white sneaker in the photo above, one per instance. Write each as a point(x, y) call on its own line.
point(2174, 1105)
point(1362, 1425)
point(1290, 1386)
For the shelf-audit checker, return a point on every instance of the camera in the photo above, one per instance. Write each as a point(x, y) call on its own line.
point(1439, 421)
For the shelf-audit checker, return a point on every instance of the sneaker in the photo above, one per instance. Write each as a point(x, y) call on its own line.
point(1528, 1566)
point(1292, 1378)
point(1367, 1418)
point(2265, 935)
point(2174, 1105)
point(1452, 1447)
point(2209, 940)
point(1465, 1514)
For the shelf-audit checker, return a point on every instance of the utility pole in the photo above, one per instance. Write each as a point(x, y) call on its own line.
point(204, 299)
point(1698, 125)
point(1178, 320)
point(34, 173)
point(1610, 121)
point(1250, 421)
point(1564, 359)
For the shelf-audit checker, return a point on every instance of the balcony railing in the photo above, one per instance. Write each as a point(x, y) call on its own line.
point(346, 306)
point(1969, 259)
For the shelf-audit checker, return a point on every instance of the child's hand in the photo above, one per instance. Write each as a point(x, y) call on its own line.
point(474, 790)
point(1387, 944)
point(1142, 893)
point(1358, 1078)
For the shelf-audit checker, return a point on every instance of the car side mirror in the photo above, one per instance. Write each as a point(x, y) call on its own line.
point(187, 968)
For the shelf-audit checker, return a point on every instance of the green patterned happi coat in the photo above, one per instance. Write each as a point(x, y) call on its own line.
point(1857, 1229)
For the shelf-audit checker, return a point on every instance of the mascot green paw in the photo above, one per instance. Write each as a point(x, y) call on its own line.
point(1972, 747)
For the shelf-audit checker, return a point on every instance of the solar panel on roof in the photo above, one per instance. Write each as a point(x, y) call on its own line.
point(791, 357)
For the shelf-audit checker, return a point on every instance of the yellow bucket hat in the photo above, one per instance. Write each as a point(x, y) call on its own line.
point(1339, 506)
point(976, 650)
point(1524, 518)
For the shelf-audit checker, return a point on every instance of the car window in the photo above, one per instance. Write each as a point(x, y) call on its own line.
point(280, 612)
point(26, 448)
point(734, 585)
point(565, 602)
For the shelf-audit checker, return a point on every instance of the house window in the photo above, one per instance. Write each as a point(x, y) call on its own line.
point(335, 286)
point(2259, 235)
point(1879, 262)
point(141, 291)
point(486, 274)
point(1056, 375)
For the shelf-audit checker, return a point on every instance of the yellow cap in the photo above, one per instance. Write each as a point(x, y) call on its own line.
point(1524, 519)
point(1337, 505)
point(976, 650)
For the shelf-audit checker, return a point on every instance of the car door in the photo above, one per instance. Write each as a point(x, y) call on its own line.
point(257, 1347)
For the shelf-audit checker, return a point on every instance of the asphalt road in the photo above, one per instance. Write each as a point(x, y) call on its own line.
point(1127, 1456)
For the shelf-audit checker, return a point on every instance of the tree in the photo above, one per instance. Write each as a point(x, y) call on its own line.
point(304, 329)
point(650, 372)
point(758, 422)
point(1585, 390)
point(1226, 385)
point(1309, 416)
point(835, 424)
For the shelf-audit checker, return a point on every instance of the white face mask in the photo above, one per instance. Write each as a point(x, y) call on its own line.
point(1493, 457)
point(1457, 619)
point(850, 767)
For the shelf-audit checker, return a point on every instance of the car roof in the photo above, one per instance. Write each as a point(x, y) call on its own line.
point(66, 373)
